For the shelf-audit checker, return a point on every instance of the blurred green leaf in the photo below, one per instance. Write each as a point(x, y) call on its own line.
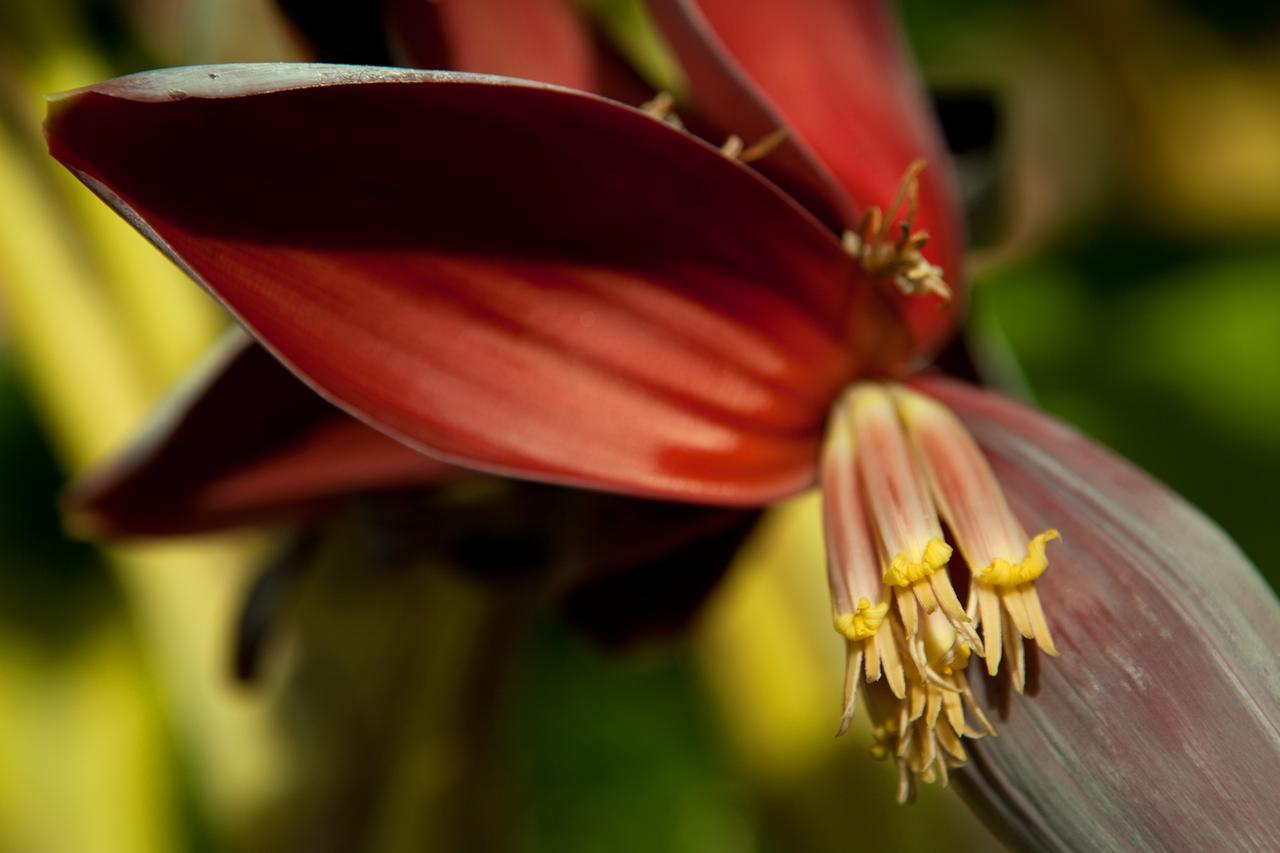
point(53, 591)
point(621, 754)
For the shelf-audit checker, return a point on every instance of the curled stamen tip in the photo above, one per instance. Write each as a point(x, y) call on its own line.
point(1005, 573)
point(973, 643)
point(732, 147)
point(852, 242)
point(662, 107)
point(863, 622)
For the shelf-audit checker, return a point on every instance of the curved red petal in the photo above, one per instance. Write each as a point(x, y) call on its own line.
point(1159, 726)
point(516, 277)
point(242, 441)
point(543, 40)
point(837, 74)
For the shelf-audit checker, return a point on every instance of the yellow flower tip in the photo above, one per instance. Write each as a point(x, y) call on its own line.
point(903, 571)
point(1005, 573)
point(863, 622)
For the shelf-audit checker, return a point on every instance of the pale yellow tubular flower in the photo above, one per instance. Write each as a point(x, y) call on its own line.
point(908, 532)
point(1004, 561)
point(859, 598)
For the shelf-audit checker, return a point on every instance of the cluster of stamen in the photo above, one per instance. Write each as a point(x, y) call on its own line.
point(895, 466)
point(923, 729)
point(886, 245)
point(897, 257)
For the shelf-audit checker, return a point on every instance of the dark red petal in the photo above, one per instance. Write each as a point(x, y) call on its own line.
point(1159, 726)
point(520, 278)
point(837, 74)
point(243, 441)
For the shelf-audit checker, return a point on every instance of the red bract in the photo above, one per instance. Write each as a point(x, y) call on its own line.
point(539, 282)
point(241, 441)
point(453, 277)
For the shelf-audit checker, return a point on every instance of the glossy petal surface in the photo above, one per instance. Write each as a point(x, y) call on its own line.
point(516, 277)
point(243, 441)
point(1159, 726)
point(837, 75)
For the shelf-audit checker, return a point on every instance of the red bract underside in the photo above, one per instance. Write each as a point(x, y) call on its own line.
point(518, 278)
point(243, 442)
point(1154, 727)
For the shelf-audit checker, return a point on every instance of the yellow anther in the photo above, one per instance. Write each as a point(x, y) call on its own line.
point(864, 621)
point(1005, 573)
point(904, 571)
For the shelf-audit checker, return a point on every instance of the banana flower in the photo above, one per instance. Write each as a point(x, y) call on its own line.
point(537, 282)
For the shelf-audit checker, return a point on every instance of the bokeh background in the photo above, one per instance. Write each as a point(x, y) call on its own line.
point(335, 690)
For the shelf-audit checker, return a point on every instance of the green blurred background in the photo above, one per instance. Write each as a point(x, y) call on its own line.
point(1122, 162)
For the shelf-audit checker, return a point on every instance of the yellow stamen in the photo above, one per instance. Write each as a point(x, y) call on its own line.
point(1004, 562)
point(863, 622)
point(903, 571)
point(1005, 573)
point(924, 730)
